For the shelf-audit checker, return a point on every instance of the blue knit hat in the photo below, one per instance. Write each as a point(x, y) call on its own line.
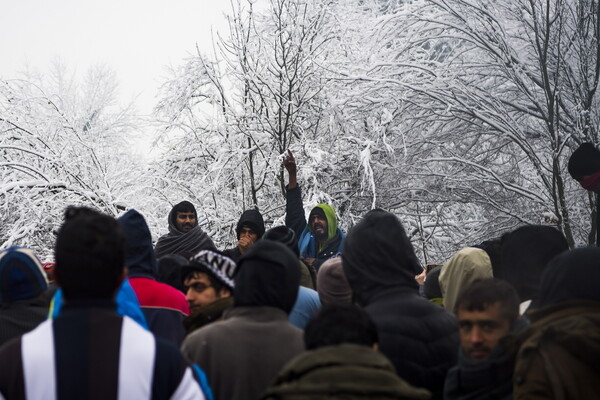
point(22, 276)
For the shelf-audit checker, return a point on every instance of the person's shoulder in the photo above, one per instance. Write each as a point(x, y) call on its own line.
point(10, 350)
point(159, 295)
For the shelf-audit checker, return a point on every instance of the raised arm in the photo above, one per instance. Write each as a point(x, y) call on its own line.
point(294, 209)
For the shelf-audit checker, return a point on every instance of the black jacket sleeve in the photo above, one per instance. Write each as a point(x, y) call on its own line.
point(294, 211)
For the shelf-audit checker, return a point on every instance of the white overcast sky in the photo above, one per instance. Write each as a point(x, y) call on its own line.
point(135, 38)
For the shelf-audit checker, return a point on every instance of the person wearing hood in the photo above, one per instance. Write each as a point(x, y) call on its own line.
point(242, 353)
point(163, 305)
point(22, 287)
point(463, 268)
point(488, 316)
point(526, 252)
point(558, 354)
point(307, 303)
point(420, 338)
point(249, 229)
point(89, 351)
point(185, 236)
point(584, 167)
point(320, 238)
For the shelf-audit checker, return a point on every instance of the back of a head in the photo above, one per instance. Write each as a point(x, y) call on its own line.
point(284, 235)
point(573, 275)
point(332, 285)
point(89, 255)
point(584, 161)
point(21, 275)
point(484, 293)
point(253, 220)
point(463, 268)
point(267, 275)
point(338, 324)
point(432, 288)
point(139, 252)
point(377, 253)
point(493, 248)
point(169, 270)
point(525, 253)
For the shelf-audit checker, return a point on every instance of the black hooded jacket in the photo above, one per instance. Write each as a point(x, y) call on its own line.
point(252, 219)
point(267, 275)
point(420, 338)
point(242, 353)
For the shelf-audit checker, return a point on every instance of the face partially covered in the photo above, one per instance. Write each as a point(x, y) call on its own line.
point(318, 223)
point(185, 221)
point(247, 237)
point(480, 331)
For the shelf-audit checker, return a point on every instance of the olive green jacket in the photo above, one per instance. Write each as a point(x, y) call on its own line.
point(345, 371)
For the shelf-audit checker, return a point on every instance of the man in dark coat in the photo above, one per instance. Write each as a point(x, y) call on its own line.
point(243, 352)
point(320, 238)
point(487, 312)
point(341, 362)
point(420, 338)
point(185, 236)
point(249, 229)
point(558, 354)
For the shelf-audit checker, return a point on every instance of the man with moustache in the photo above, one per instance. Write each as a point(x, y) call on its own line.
point(487, 312)
point(185, 236)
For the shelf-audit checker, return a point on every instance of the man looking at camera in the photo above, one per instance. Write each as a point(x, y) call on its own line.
point(487, 312)
point(185, 236)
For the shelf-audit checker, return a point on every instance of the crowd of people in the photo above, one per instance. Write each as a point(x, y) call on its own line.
point(297, 311)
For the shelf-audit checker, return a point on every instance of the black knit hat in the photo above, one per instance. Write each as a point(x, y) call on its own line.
point(215, 263)
point(585, 160)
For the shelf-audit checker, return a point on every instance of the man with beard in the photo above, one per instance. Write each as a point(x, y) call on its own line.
point(320, 238)
point(185, 236)
point(487, 312)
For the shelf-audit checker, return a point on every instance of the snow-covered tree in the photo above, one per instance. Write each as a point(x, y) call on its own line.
point(61, 143)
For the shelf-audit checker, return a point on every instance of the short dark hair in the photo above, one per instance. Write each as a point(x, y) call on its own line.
point(214, 282)
point(89, 254)
point(185, 207)
point(484, 293)
point(338, 324)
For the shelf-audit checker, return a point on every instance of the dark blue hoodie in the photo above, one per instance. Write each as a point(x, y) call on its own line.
point(164, 306)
